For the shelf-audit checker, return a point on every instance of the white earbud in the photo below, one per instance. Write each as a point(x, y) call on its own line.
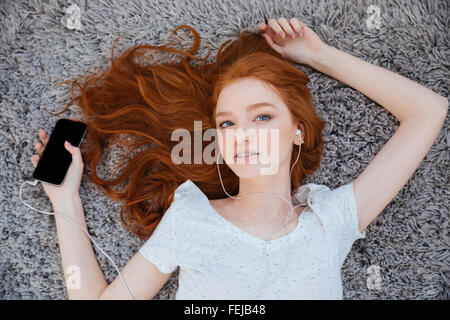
point(299, 132)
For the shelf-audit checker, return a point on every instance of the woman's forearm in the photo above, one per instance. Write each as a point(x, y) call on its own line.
point(77, 255)
point(399, 95)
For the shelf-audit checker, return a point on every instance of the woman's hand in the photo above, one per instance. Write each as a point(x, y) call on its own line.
point(71, 185)
point(294, 40)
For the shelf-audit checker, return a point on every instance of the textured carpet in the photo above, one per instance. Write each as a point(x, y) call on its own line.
point(408, 241)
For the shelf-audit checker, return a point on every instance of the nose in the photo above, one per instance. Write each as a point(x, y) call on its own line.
point(245, 135)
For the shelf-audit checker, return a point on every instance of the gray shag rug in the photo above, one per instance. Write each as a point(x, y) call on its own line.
point(408, 242)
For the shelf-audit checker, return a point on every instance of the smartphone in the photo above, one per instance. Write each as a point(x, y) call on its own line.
point(55, 160)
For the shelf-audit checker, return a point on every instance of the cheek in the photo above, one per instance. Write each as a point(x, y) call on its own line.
point(271, 140)
point(276, 144)
point(225, 147)
point(270, 143)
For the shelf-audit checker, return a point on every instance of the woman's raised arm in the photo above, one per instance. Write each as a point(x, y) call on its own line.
point(420, 111)
point(402, 97)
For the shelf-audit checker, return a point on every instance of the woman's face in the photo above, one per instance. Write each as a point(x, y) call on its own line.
point(252, 117)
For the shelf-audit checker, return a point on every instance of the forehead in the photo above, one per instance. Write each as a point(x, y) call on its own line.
point(245, 92)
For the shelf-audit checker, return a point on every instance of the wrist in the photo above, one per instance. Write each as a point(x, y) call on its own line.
point(321, 59)
point(66, 203)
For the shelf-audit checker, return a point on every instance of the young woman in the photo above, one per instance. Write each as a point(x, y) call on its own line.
point(221, 223)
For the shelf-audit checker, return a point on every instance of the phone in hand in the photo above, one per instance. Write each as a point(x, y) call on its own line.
point(55, 160)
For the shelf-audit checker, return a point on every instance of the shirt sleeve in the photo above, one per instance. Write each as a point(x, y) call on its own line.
point(345, 219)
point(161, 247)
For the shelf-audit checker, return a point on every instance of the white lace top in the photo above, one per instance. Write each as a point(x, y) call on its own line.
point(218, 260)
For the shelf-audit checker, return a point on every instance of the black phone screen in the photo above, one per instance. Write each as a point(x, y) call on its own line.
point(55, 160)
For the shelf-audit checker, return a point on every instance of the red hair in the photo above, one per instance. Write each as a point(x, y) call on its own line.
point(148, 102)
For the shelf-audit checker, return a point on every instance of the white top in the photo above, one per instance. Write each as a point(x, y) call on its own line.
point(218, 260)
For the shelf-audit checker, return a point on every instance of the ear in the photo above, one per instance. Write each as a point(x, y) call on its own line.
point(300, 139)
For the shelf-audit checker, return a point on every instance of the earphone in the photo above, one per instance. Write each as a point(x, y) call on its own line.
point(298, 133)
point(34, 183)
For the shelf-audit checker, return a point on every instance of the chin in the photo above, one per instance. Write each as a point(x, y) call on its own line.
point(256, 169)
point(247, 171)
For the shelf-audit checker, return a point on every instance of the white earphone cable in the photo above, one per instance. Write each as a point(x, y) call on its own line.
point(285, 222)
point(33, 183)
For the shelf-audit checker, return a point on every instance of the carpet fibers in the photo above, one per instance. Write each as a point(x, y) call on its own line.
point(408, 242)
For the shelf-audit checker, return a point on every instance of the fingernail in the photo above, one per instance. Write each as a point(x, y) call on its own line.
point(68, 143)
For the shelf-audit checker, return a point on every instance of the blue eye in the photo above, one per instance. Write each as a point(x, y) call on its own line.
point(263, 115)
point(220, 125)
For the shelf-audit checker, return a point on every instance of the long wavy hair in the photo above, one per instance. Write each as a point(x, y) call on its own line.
point(147, 102)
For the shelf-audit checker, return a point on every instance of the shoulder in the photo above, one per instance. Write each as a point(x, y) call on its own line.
point(329, 205)
point(311, 193)
point(184, 190)
point(186, 196)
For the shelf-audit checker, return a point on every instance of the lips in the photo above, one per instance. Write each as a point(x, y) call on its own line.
point(249, 152)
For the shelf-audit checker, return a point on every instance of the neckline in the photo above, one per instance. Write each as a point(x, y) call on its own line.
point(298, 226)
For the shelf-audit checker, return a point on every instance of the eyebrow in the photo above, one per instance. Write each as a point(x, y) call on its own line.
point(250, 107)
